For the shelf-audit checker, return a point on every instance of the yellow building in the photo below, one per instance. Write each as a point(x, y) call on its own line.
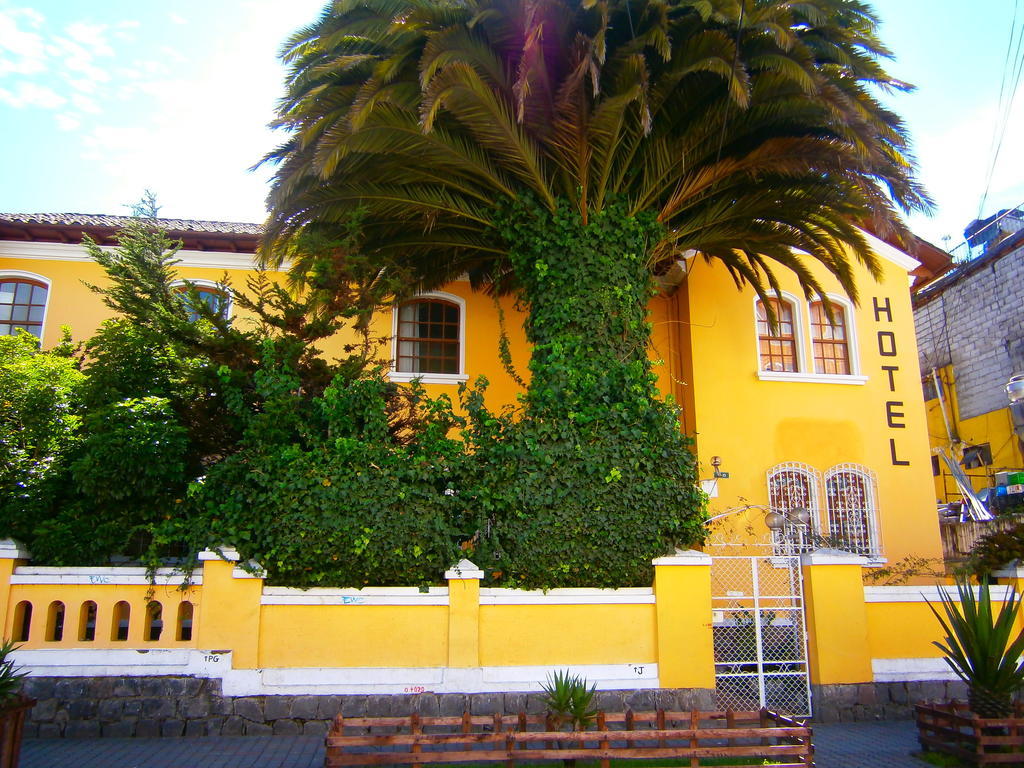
point(811, 438)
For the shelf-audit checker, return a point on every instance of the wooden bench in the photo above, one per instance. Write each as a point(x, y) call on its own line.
point(523, 738)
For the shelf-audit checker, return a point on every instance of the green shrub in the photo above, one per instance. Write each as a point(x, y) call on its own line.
point(996, 550)
point(983, 647)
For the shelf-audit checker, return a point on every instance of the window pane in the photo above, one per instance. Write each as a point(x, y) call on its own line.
point(777, 346)
point(7, 293)
point(831, 353)
point(428, 333)
point(22, 293)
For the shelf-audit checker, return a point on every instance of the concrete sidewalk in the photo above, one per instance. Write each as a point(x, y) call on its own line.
point(838, 745)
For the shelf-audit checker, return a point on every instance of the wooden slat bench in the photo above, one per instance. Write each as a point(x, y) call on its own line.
point(692, 736)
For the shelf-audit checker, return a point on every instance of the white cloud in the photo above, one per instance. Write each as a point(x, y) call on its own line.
point(125, 30)
point(954, 164)
point(173, 54)
point(79, 59)
point(31, 95)
point(67, 122)
point(177, 19)
point(23, 51)
point(85, 104)
point(92, 36)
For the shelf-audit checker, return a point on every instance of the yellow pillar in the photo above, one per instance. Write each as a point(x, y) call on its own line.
point(837, 618)
point(464, 614)
point(682, 593)
point(229, 608)
point(11, 554)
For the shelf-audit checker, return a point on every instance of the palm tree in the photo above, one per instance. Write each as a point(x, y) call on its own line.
point(749, 128)
point(568, 150)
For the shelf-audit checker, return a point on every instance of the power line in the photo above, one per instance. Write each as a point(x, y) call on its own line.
point(1013, 66)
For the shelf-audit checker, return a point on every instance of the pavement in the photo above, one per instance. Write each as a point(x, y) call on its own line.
point(837, 745)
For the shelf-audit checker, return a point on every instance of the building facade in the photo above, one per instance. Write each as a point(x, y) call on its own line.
point(811, 436)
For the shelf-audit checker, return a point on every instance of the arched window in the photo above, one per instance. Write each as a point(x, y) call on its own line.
point(209, 293)
point(120, 621)
point(185, 614)
point(87, 621)
point(55, 622)
point(830, 339)
point(429, 337)
point(850, 494)
point(777, 347)
point(154, 621)
point(22, 621)
point(22, 305)
point(792, 487)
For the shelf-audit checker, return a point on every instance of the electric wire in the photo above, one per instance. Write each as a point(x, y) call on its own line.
point(1013, 67)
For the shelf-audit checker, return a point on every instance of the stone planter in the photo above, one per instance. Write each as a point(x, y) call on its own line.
point(12, 722)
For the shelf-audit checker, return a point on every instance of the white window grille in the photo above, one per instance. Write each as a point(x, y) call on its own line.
point(793, 486)
point(852, 501)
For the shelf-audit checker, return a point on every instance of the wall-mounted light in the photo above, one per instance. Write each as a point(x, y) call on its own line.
point(716, 463)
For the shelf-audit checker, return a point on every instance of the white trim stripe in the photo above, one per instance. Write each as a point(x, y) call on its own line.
point(32, 574)
point(886, 251)
point(373, 596)
point(902, 594)
point(568, 596)
point(74, 252)
point(911, 670)
point(322, 680)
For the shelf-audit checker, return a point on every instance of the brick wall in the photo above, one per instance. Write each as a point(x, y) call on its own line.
point(977, 324)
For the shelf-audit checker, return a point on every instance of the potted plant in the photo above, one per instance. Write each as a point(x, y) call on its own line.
point(14, 706)
point(983, 647)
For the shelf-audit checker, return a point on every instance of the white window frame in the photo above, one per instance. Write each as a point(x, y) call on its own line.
point(793, 539)
point(213, 285)
point(851, 339)
point(19, 274)
point(804, 352)
point(873, 550)
point(430, 378)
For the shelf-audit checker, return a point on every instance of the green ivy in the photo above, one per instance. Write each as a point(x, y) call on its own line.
point(591, 477)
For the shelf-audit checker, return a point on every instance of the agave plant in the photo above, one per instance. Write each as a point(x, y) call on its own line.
point(10, 677)
point(569, 700)
point(983, 648)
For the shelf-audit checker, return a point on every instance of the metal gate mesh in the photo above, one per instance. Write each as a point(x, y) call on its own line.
point(759, 636)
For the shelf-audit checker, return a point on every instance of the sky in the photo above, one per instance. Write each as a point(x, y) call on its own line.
point(103, 99)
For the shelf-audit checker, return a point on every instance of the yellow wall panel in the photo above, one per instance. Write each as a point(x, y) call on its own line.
point(527, 635)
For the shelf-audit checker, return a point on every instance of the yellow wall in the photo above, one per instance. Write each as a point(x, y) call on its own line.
point(75, 595)
point(902, 631)
point(353, 636)
point(994, 428)
point(567, 634)
point(753, 424)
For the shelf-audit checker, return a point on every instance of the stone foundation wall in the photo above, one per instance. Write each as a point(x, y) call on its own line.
point(879, 701)
point(188, 706)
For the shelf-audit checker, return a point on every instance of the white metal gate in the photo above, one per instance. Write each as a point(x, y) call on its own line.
point(759, 634)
